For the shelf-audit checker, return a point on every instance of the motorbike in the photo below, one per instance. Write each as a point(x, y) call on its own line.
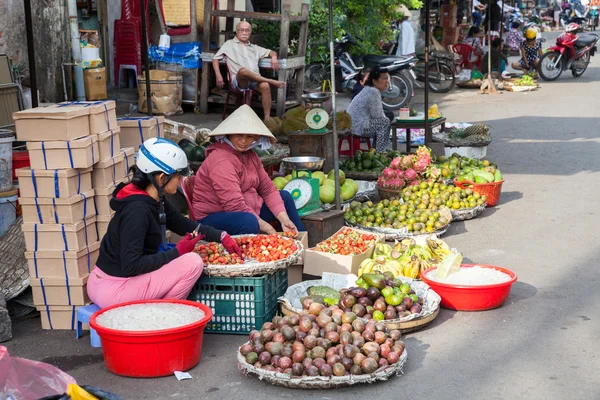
point(573, 13)
point(510, 17)
point(570, 52)
point(593, 18)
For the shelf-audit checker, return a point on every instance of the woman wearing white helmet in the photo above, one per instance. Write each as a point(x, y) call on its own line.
point(135, 262)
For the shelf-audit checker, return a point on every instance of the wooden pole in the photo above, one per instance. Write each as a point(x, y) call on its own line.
point(31, 54)
point(145, 56)
point(426, 98)
point(336, 156)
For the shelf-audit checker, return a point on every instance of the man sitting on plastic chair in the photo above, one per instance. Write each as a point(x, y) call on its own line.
point(242, 59)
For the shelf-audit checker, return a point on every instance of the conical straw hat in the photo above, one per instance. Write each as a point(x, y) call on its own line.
point(243, 121)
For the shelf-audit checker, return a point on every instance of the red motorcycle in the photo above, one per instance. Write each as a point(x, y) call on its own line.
point(571, 52)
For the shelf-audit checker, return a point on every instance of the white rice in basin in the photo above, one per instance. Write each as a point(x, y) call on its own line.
point(149, 317)
point(472, 276)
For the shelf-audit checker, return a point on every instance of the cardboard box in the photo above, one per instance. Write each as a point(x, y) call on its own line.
point(77, 153)
point(102, 114)
point(63, 183)
point(103, 196)
point(52, 123)
point(102, 224)
point(295, 270)
point(95, 84)
point(136, 130)
point(317, 262)
point(63, 264)
point(58, 211)
point(109, 143)
point(449, 22)
point(59, 291)
point(166, 88)
point(128, 161)
point(109, 172)
point(60, 318)
point(53, 237)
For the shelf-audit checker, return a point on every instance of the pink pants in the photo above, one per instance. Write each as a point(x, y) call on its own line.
point(174, 280)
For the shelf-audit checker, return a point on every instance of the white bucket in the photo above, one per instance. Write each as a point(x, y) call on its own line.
point(8, 212)
point(6, 139)
point(164, 42)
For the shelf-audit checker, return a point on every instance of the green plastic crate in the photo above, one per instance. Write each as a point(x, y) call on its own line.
point(240, 305)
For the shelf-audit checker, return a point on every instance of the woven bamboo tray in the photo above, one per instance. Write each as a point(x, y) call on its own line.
point(253, 268)
point(320, 382)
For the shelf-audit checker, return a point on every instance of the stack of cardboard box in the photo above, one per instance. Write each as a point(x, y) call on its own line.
point(65, 141)
point(448, 20)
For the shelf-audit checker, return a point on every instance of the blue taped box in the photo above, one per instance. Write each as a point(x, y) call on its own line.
point(78, 153)
point(60, 184)
point(53, 237)
point(59, 291)
point(46, 210)
point(102, 114)
point(52, 123)
point(60, 317)
point(62, 264)
point(136, 130)
point(109, 143)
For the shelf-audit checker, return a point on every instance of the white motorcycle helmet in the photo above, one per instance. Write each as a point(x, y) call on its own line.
point(161, 155)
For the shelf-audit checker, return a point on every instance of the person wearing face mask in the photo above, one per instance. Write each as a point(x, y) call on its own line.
point(242, 60)
point(135, 262)
point(366, 111)
point(232, 190)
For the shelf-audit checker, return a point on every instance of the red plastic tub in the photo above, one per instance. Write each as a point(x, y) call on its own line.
point(150, 354)
point(472, 298)
point(20, 159)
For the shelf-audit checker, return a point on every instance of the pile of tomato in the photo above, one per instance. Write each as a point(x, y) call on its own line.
point(261, 248)
point(266, 248)
point(347, 242)
point(214, 253)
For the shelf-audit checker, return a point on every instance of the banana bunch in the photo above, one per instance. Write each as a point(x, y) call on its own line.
point(380, 265)
point(438, 248)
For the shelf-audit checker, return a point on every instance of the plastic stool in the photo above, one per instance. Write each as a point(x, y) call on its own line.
point(83, 315)
point(126, 66)
point(353, 145)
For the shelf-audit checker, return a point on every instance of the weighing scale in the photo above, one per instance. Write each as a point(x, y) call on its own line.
point(316, 118)
point(304, 189)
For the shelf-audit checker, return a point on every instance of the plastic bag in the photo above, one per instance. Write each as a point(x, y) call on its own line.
point(475, 74)
point(464, 75)
point(26, 379)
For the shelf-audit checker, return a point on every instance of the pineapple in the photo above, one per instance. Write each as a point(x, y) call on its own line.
point(476, 130)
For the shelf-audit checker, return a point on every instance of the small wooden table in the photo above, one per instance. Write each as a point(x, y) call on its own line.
point(408, 125)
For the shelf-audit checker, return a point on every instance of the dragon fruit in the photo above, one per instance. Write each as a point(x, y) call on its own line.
point(396, 183)
point(424, 154)
point(410, 174)
point(433, 173)
point(395, 164)
point(407, 161)
point(389, 173)
point(414, 183)
point(420, 166)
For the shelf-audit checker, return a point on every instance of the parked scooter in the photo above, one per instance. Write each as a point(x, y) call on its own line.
point(571, 52)
point(573, 13)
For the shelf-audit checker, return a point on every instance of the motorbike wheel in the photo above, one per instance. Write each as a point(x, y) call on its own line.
point(577, 72)
point(398, 92)
point(444, 72)
point(315, 75)
point(546, 67)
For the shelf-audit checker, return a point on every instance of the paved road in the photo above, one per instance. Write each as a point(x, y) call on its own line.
point(542, 344)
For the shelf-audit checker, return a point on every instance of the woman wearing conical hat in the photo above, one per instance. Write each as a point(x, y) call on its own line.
point(232, 190)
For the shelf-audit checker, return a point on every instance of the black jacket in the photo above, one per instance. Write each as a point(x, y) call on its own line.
point(130, 246)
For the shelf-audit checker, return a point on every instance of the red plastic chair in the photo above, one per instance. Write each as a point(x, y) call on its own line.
point(353, 145)
point(187, 186)
point(242, 97)
point(465, 51)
